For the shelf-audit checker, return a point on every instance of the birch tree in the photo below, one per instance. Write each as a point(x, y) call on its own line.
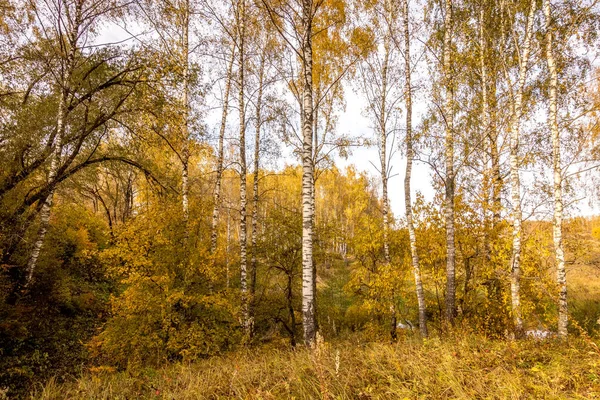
point(172, 22)
point(70, 24)
point(557, 231)
point(256, 175)
point(214, 232)
point(265, 66)
point(380, 74)
point(73, 21)
point(241, 44)
point(485, 123)
point(298, 22)
point(309, 312)
point(491, 179)
point(514, 130)
point(450, 178)
point(300, 31)
point(408, 171)
point(185, 15)
point(265, 47)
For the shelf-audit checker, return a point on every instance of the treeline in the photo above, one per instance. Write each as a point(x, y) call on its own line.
point(145, 214)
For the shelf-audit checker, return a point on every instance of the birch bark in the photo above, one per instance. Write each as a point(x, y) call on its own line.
point(185, 154)
point(220, 156)
point(486, 136)
point(255, 194)
point(384, 168)
point(308, 274)
point(243, 169)
point(383, 151)
point(449, 161)
point(407, 177)
point(559, 254)
point(517, 217)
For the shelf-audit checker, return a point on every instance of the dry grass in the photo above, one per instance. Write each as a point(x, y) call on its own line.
point(466, 368)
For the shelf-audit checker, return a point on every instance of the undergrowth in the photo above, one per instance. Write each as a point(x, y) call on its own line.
point(463, 368)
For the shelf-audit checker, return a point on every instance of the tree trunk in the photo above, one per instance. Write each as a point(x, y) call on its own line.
point(488, 176)
point(290, 305)
point(242, 160)
point(449, 160)
point(384, 176)
point(227, 244)
point(497, 184)
point(255, 194)
point(407, 178)
point(393, 324)
point(497, 180)
point(383, 151)
point(220, 156)
point(185, 153)
point(308, 274)
point(313, 206)
point(496, 175)
point(559, 254)
point(47, 206)
point(515, 179)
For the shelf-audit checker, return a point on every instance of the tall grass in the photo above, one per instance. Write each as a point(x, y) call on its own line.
point(463, 368)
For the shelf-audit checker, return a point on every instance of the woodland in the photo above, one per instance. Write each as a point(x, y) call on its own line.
point(183, 215)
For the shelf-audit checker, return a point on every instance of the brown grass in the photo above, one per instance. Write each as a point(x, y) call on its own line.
point(465, 368)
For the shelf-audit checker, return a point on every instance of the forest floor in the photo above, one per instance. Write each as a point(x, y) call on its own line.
point(468, 367)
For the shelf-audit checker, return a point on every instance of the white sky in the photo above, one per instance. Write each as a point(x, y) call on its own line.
point(353, 122)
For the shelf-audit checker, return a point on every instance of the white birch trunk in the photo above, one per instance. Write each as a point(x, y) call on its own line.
point(47, 206)
point(384, 170)
point(308, 274)
point(517, 216)
point(449, 161)
point(313, 206)
point(253, 262)
point(559, 254)
point(227, 244)
point(243, 171)
point(383, 151)
point(407, 177)
point(485, 118)
point(220, 156)
point(185, 104)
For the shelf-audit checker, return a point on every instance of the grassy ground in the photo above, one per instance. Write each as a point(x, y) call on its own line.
point(466, 368)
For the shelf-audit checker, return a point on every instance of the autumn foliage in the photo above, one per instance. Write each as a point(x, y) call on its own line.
point(188, 209)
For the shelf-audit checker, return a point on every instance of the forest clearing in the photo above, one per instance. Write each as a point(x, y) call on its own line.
point(299, 199)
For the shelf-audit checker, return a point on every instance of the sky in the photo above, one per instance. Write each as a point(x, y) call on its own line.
point(353, 122)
